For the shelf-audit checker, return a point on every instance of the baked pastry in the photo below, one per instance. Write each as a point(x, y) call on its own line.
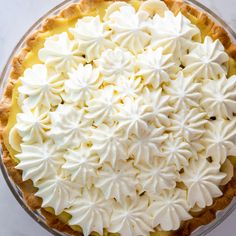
point(119, 117)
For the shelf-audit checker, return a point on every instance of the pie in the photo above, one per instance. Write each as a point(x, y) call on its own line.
point(119, 119)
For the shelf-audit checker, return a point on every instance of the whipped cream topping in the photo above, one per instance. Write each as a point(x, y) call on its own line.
point(118, 182)
point(129, 28)
point(82, 84)
point(132, 115)
point(159, 105)
point(69, 127)
point(144, 144)
point(82, 164)
point(173, 33)
point(207, 60)
point(220, 139)
point(103, 106)
point(157, 175)
point(32, 125)
point(129, 122)
point(41, 86)
point(57, 192)
point(169, 208)
point(130, 88)
point(39, 160)
point(116, 64)
point(92, 36)
point(188, 124)
point(184, 92)
point(109, 143)
point(60, 53)
point(91, 211)
point(219, 97)
point(176, 151)
point(155, 67)
point(131, 218)
point(202, 179)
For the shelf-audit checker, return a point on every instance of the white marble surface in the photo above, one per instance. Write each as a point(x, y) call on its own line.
point(16, 16)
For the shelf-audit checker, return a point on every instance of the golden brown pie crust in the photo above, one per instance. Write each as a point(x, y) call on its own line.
point(75, 11)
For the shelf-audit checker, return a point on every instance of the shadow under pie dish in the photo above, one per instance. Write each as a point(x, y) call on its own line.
point(119, 117)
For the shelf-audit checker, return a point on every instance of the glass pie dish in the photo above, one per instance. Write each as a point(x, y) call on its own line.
point(203, 230)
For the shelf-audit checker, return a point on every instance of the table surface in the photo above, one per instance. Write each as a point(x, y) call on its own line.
point(16, 16)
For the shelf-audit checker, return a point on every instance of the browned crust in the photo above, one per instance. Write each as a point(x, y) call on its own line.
point(75, 11)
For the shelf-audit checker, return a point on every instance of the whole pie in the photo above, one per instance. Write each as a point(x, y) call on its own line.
point(119, 119)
